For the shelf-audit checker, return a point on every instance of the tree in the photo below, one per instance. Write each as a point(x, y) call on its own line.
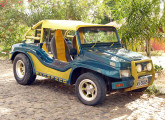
point(12, 24)
point(142, 20)
point(18, 15)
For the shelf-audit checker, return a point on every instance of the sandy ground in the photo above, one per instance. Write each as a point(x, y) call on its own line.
point(159, 60)
point(50, 100)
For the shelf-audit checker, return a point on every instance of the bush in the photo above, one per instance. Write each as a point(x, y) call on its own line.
point(153, 89)
point(158, 68)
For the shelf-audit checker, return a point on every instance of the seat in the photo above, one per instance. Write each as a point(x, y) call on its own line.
point(75, 44)
point(59, 47)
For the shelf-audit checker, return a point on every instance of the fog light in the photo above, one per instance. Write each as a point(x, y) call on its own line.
point(149, 66)
point(139, 68)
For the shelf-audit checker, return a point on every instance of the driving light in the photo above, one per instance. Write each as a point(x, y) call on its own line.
point(149, 66)
point(139, 68)
point(125, 73)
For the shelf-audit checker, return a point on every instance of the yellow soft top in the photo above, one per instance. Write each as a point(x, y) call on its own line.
point(60, 24)
point(64, 24)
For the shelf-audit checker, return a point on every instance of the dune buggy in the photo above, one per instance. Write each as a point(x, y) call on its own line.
point(87, 55)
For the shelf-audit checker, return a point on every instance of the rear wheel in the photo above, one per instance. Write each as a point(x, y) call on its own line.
point(90, 89)
point(23, 71)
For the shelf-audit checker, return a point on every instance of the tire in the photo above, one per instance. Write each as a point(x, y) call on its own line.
point(23, 71)
point(90, 89)
point(140, 89)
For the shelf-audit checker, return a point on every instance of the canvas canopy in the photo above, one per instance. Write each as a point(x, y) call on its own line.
point(59, 24)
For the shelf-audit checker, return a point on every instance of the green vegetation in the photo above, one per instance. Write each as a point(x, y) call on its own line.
point(153, 89)
point(142, 24)
point(140, 20)
point(158, 68)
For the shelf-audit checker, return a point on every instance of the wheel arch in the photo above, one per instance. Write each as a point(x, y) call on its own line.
point(26, 54)
point(80, 70)
point(14, 55)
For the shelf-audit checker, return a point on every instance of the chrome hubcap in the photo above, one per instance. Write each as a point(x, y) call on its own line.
point(87, 89)
point(20, 69)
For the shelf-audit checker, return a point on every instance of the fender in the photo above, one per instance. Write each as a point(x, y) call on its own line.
point(96, 67)
point(13, 55)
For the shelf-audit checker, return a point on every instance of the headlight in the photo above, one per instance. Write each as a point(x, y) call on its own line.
point(125, 73)
point(139, 68)
point(149, 66)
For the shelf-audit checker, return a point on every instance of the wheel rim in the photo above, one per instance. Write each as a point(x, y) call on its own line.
point(20, 69)
point(88, 89)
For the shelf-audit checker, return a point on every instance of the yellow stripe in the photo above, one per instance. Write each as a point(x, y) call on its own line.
point(44, 69)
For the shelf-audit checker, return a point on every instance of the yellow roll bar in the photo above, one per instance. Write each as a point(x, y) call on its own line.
point(31, 37)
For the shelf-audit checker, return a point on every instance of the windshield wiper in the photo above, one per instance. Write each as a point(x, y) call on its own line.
point(95, 44)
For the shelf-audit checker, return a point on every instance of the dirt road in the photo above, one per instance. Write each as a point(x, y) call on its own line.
point(50, 100)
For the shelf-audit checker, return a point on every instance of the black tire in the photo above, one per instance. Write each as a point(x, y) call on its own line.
point(27, 76)
point(99, 92)
point(140, 89)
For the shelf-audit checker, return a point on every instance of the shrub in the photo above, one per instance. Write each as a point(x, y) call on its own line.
point(153, 89)
point(158, 68)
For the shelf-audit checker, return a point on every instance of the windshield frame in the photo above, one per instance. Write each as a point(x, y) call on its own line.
point(99, 43)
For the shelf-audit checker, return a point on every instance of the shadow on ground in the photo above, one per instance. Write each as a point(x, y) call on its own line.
point(114, 104)
point(50, 100)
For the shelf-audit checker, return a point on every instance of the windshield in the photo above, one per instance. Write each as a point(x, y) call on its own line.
point(90, 35)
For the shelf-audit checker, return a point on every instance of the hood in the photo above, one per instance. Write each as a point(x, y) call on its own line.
point(117, 54)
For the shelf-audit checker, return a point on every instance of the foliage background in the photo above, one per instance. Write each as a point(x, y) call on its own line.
point(141, 20)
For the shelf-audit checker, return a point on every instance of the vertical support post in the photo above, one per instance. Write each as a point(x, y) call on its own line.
point(42, 35)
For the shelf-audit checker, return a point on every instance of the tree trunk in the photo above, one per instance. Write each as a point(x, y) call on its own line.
point(148, 48)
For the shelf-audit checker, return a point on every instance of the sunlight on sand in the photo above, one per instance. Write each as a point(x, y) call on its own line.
point(4, 110)
point(120, 118)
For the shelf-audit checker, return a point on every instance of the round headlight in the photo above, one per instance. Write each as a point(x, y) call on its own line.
point(139, 68)
point(149, 66)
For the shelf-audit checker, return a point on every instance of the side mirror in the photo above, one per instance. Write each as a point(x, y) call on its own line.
point(73, 51)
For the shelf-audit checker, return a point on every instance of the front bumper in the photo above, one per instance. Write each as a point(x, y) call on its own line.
point(131, 83)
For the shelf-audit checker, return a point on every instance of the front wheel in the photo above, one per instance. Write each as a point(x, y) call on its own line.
point(23, 71)
point(90, 89)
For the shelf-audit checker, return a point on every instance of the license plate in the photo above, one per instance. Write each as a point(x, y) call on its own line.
point(142, 81)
